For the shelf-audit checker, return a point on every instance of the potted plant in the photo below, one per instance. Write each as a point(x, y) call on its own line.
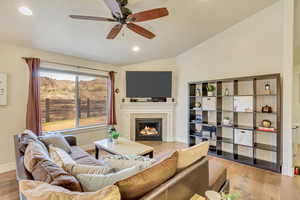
point(115, 136)
point(226, 121)
point(210, 90)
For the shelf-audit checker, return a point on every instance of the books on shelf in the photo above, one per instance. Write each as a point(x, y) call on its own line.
point(271, 129)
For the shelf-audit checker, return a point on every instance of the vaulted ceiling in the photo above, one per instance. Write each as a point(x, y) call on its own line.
point(190, 23)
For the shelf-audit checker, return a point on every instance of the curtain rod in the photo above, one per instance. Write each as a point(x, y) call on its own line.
point(76, 66)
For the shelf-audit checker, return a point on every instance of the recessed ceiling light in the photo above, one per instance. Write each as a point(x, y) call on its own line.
point(136, 48)
point(25, 11)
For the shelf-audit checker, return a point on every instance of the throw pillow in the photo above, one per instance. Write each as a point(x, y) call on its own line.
point(119, 162)
point(91, 183)
point(57, 140)
point(136, 186)
point(26, 137)
point(47, 171)
point(87, 169)
point(60, 157)
point(187, 157)
point(34, 190)
point(34, 153)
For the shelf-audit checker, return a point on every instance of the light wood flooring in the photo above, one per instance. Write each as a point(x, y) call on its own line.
point(251, 183)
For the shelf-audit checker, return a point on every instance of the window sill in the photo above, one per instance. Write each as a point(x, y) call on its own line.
point(81, 130)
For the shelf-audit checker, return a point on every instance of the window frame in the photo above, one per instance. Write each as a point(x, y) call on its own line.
point(77, 97)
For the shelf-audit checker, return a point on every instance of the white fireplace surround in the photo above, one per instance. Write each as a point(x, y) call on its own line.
point(130, 111)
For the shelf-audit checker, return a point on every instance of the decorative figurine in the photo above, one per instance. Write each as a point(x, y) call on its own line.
point(266, 123)
point(268, 89)
point(226, 92)
point(198, 92)
point(266, 109)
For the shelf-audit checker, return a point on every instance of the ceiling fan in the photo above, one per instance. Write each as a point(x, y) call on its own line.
point(125, 17)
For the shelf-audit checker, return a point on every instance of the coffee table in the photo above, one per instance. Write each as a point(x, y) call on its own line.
point(123, 147)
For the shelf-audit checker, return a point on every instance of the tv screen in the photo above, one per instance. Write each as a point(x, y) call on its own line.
point(143, 84)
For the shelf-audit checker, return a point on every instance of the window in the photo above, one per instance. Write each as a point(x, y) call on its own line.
point(72, 100)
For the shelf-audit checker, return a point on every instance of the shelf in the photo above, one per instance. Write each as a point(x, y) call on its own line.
point(243, 159)
point(244, 127)
point(225, 140)
point(265, 147)
point(275, 131)
point(245, 145)
point(266, 165)
point(266, 95)
point(223, 146)
point(259, 112)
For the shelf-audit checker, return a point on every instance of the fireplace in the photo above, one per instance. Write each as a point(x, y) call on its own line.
point(148, 129)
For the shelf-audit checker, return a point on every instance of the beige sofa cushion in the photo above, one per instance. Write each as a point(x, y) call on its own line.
point(188, 156)
point(34, 153)
point(57, 140)
point(34, 190)
point(145, 181)
point(60, 157)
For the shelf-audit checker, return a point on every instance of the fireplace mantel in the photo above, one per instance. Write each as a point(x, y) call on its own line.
point(131, 110)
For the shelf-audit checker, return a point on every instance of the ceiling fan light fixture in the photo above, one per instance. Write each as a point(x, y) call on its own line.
point(25, 11)
point(136, 48)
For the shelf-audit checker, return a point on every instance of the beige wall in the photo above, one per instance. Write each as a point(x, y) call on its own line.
point(12, 116)
point(253, 47)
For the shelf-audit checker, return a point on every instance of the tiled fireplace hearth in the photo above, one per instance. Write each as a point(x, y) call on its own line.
point(133, 113)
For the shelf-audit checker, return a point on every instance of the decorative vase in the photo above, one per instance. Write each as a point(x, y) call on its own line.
point(210, 93)
point(115, 141)
point(226, 122)
point(212, 195)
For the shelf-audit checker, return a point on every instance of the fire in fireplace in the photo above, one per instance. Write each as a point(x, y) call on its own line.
point(148, 129)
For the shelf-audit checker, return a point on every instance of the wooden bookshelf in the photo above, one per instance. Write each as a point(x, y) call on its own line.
point(240, 140)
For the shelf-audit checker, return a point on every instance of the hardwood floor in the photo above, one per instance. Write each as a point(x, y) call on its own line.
point(251, 183)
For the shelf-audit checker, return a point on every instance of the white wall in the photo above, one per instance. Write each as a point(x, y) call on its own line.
point(254, 46)
point(12, 116)
point(296, 99)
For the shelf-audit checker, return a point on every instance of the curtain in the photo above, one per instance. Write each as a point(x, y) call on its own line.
point(112, 100)
point(33, 117)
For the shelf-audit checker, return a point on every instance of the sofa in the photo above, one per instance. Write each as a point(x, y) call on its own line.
point(195, 179)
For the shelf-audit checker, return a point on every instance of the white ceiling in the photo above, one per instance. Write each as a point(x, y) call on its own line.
point(190, 22)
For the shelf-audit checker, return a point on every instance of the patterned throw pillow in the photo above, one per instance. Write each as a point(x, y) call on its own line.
point(87, 169)
point(91, 183)
point(119, 162)
point(34, 190)
point(60, 157)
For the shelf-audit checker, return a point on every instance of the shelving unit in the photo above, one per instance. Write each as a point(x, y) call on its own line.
point(241, 140)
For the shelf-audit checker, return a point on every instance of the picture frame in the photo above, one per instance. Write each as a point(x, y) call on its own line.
point(3, 89)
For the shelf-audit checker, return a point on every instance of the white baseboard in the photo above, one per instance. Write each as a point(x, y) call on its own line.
point(181, 139)
point(287, 171)
point(7, 167)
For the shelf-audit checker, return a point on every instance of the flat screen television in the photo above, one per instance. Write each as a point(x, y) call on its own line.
point(146, 84)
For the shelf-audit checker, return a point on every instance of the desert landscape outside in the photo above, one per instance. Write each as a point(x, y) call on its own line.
point(71, 101)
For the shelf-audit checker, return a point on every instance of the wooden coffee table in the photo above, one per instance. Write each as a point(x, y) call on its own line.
point(124, 147)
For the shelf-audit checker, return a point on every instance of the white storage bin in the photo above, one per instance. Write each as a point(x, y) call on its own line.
point(243, 137)
point(245, 151)
point(209, 103)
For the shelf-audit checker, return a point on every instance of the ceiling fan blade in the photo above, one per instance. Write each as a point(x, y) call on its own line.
point(148, 15)
point(114, 7)
point(114, 31)
point(140, 30)
point(92, 18)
